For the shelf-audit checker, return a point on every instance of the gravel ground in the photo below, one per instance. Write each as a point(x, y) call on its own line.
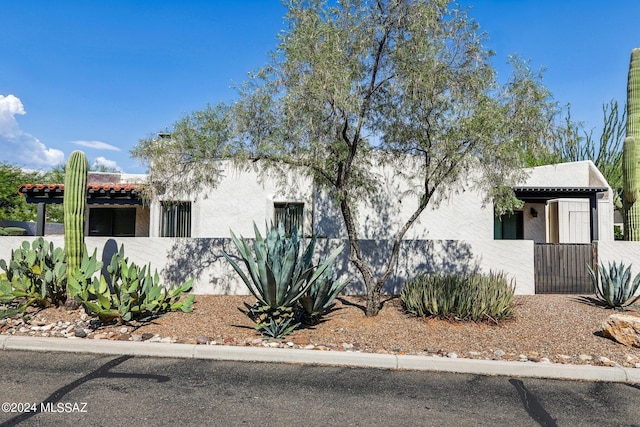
point(545, 328)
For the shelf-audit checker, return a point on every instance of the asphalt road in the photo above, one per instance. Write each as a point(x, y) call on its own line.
point(82, 389)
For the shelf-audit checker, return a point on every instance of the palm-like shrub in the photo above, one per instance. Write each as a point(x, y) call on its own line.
point(472, 296)
point(279, 276)
point(613, 286)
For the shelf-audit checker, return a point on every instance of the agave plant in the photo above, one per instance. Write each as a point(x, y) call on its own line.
point(614, 286)
point(318, 300)
point(278, 276)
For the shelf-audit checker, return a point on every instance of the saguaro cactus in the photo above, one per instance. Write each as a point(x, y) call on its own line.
point(74, 202)
point(630, 165)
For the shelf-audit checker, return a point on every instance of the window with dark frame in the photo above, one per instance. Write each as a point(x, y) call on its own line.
point(176, 219)
point(116, 222)
point(291, 215)
point(509, 226)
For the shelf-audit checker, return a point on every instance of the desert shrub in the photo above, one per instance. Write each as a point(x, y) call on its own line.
point(35, 275)
point(473, 296)
point(132, 292)
point(280, 276)
point(613, 286)
point(2, 232)
point(14, 231)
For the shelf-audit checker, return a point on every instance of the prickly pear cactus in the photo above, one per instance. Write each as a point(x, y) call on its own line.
point(631, 172)
point(74, 202)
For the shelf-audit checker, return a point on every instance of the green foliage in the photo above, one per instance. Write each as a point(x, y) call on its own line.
point(132, 293)
point(12, 204)
point(279, 277)
point(35, 275)
point(318, 300)
point(614, 286)
point(472, 296)
point(631, 151)
point(13, 231)
point(75, 200)
point(353, 86)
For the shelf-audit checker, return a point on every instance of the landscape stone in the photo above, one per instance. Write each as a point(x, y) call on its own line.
point(80, 333)
point(623, 328)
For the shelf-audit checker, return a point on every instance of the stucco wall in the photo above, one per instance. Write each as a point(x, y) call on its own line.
point(178, 260)
point(245, 197)
point(620, 251)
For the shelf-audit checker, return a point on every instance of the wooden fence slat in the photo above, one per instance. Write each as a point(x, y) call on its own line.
point(562, 267)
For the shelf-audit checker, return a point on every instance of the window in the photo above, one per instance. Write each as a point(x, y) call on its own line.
point(509, 227)
point(289, 214)
point(176, 219)
point(117, 222)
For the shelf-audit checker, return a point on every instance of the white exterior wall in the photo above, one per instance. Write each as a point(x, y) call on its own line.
point(180, 259)
point(620, 251)
point(576, 174)
point(243, 198)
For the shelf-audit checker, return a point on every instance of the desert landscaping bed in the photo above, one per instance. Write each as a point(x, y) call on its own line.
point(545, 329)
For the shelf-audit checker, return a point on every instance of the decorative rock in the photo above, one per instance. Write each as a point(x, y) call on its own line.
point(100, 336)
point(155, 338)
point(585, 357)
point(606, 361)
point(347, 346)
point(204, 340)
point(309, 347)
point(166, 340)
point(623, 328)
point(23, 330)
point(545, 360)
point(474, 353)
point(147, 336)
point(136, 337)
point(80, 333)
point(452, 355)
point(499, 353)
point(123, 337)
point(124, 330)
point(632, 359)
point(301, 340)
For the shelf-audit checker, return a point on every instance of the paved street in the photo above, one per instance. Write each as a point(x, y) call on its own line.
point(99, 390)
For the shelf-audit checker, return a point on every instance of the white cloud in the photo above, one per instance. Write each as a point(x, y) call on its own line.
point(106, 163)
point(18, 146)
point(97, 145)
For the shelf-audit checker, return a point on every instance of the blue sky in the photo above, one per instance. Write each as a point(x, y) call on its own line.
point(98, 76)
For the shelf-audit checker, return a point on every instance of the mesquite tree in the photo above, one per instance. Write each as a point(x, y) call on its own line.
point(356, 84)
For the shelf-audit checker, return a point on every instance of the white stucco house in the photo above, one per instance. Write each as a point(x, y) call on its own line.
point(569, 203)
point(563, 203)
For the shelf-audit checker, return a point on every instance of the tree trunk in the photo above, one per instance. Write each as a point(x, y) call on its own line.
point(373, 303)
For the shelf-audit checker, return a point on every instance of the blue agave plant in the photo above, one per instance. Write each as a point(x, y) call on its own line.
point(278, 276)
point(614, 286)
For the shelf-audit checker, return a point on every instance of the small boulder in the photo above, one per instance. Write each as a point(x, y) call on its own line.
point(623, 328)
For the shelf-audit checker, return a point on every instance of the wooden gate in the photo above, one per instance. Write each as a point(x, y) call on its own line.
point(561, 268)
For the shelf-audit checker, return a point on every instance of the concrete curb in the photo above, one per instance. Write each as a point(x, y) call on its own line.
point(330, 358)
